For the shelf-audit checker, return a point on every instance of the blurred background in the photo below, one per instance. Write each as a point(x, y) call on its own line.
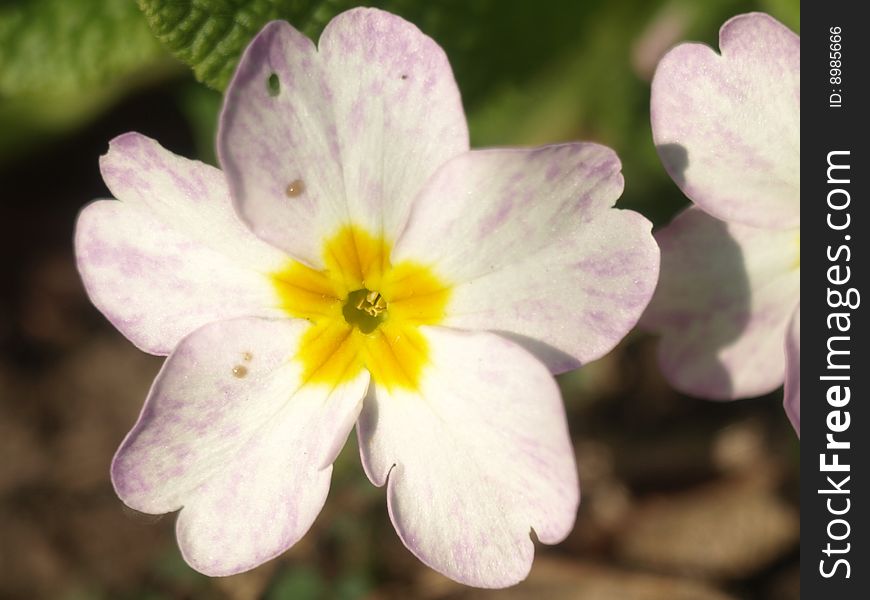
point(682, 498)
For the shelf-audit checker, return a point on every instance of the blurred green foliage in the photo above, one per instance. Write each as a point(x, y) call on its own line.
point(529, 72)
point(63, 61)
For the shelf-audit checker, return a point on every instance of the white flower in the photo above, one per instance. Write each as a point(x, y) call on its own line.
point(381, 275)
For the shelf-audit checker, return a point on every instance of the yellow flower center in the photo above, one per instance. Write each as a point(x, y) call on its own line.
point(365, 311)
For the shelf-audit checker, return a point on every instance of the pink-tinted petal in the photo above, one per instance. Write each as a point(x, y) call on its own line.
point(728, 127)
point(171, 255)
point(354, 130)
point(792, 399)
point(476, 459)
point(722, 304)
point(534, 250)
point(398, 113)
point(232, 436)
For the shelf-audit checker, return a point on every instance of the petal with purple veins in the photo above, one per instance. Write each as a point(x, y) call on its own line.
point(722, 304)
point(534, 250)
point(313, 140)
point(727, 126)
point(475, 460)
point(231, 435)
point(171, 255)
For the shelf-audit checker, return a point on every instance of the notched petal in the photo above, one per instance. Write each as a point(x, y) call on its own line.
point(539, 252)
point(475, 460)
point(727, 127)
point(246, 458)
point(363, 121)
point(170, 254)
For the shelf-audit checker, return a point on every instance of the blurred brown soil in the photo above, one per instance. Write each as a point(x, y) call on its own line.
point(682, 498)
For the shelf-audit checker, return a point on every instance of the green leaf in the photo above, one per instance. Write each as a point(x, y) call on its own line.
point(210, 35)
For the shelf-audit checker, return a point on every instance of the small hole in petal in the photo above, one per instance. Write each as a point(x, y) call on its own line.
point(240, 371)
point(295, 188)
point(273, 85)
